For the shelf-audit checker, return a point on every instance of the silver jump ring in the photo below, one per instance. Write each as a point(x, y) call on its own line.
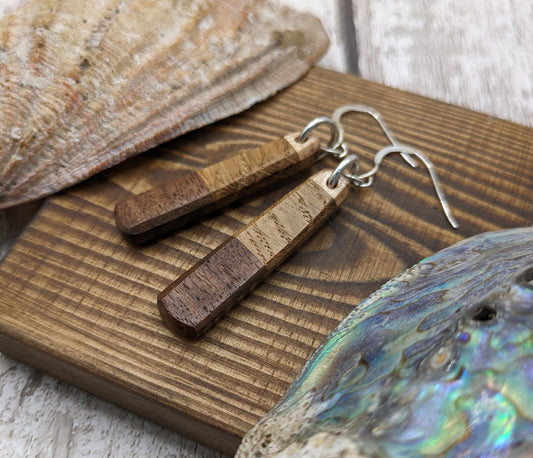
point(339, 152)
point(318, 122)
point(351, 161)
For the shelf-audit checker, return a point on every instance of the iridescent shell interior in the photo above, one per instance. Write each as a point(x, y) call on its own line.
point(437, 362)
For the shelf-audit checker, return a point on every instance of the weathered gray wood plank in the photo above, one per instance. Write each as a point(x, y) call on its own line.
point(476, 54)
point(42, 416)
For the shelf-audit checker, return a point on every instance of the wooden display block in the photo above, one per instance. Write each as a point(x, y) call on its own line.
point(79, 302)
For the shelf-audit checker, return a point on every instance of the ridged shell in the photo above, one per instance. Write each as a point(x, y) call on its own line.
point(85, 84)
point(438, 362)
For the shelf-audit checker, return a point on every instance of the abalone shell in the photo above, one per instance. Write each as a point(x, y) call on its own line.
point(438, 362)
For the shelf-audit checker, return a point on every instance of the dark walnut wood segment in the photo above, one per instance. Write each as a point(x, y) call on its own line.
point(181, 201)
point(191, 304)
point(197, 299)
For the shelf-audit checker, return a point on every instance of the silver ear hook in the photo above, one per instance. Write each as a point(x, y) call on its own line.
point(366, 179)
point(334, 147)
point(341, 111)
point(333, 127)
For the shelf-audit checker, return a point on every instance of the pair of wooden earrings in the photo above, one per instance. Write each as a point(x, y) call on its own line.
point(199, 297)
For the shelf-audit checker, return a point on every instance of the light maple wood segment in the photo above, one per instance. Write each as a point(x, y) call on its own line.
point(188, 197)
point(273, 235)
point(252, 170)
point(79, 302)
point(197, 299)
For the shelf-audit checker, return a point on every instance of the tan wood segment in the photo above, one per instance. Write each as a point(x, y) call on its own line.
point(200, 297)
point(79, 301)
point(184, 199)
point(276, 232)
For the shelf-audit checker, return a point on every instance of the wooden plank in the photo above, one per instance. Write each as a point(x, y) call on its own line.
point(13, 221)
point(476, 54)
point(79, 302)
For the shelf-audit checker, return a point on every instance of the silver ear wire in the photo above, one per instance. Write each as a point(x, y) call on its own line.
point(366, 179)
point(351, 161)
point(356, 108)
point(334, 147)
point(349, 164)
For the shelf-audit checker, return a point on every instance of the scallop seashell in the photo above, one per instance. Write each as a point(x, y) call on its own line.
point(86, 84)
point(438, 362)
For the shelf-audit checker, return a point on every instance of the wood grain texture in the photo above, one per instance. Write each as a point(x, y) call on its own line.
point(186, 198)
point(162, 209)
point(475, 54)
point(79, 302)
point(195, 301)
point(250, 171)
point(43, 416)
point(276, 232)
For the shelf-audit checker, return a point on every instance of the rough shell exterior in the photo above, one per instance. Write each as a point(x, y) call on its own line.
point(85, 84)
point(438, 362)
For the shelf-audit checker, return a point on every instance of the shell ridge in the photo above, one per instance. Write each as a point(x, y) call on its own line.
point(84, 86)
point(42, 122)
point(91, 115)
point(127, 151)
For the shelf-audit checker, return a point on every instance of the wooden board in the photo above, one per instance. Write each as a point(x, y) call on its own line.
point(79, 302)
